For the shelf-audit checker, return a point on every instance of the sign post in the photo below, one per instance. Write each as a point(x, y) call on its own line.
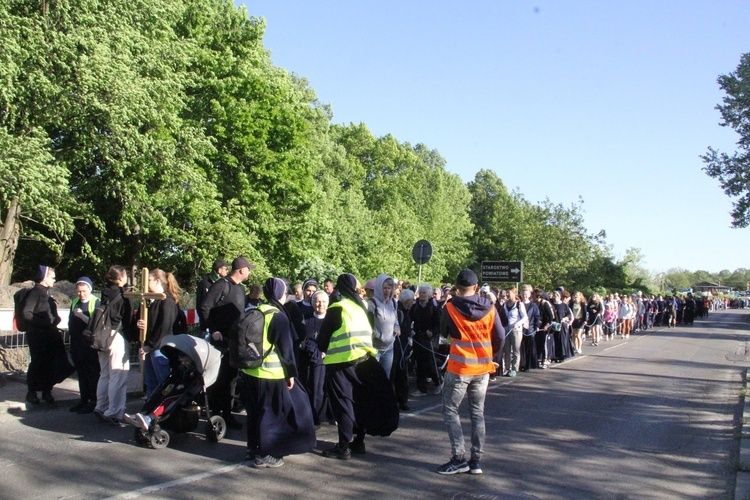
point(502, 271)
point(422, 253)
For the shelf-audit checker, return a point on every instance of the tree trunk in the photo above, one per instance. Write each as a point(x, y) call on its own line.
point(9, 234)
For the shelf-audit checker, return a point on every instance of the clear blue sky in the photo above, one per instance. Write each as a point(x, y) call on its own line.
point(610, 101)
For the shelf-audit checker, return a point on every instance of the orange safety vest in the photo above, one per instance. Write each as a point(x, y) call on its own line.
point(472, 353)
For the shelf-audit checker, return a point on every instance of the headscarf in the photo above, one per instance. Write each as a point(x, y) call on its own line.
point(41, 274)
point(308, 282)
point(273, 290)
point(346, 284)
point(319, 293)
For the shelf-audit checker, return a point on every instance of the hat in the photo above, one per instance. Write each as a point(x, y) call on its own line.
point(86, 281)
point(370, 285)
point(485, 288)
point(241, 262)
point(467, 277)
point(309, 282)
point(219, 263)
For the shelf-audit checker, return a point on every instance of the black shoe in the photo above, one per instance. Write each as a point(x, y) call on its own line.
point(76, 408)
point(32, 398)
point(337, 452)
point(87, 408)
point(455, 466)
point(114, 421)
point(232, 422)
point(474, 467)
point(100, 416)
point(358, 447)
point(47, 397)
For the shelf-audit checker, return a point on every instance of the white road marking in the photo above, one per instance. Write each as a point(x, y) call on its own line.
point(178, 482)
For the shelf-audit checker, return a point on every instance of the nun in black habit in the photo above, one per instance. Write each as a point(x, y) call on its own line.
point(279, 418)
point(361, 396)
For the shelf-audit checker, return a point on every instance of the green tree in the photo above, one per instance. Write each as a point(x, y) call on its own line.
point(548, 238)
point(733, 171)
point(36, 210)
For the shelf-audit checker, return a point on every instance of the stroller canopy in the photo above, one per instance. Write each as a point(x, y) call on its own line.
point(203, 354)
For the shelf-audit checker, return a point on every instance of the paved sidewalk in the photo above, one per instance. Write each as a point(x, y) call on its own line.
point(13, 390)
point(742, 487)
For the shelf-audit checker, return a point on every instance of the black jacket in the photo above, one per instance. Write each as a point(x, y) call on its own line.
point(224, 303)
point(161, 318)
point(40, 310)
point(201, 291)
point(120, 310)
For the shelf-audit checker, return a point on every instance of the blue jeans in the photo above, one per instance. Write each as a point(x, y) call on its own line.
point(385, 359)
point(454, 389)
point(157, 370)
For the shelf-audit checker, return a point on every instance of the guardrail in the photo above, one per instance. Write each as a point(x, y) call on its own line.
point(14, 353)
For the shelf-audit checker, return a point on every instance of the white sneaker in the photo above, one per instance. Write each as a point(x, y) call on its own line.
point(137, 420)
point(143, 420)
point(131, 420)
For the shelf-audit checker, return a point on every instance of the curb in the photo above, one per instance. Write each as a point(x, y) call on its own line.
point(742, 484)
point(16, 407)
point(13, 392)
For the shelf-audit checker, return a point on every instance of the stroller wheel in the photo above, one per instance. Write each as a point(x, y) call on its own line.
point(140, 437)
point(216, 428)
point(159, 439)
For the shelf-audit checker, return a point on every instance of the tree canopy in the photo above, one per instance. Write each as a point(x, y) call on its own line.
point(733, 171)
point(161, 134)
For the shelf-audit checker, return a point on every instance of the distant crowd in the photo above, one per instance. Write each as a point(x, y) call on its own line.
point(341, 353)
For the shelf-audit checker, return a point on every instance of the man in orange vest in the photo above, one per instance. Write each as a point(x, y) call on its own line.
point(472, 324)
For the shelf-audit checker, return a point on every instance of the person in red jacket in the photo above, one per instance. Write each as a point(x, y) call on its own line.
point(472, 324)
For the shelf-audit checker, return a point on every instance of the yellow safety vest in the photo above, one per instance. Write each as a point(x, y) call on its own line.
point(353, 339)
point(271, 368)
point(91, 303)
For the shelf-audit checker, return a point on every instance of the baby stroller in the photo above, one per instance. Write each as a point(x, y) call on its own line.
point(176, 403)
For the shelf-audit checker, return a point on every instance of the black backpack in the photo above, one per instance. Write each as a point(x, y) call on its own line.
point(100, 331)
point(246, 339)
point(19, 298)
point(180, 325)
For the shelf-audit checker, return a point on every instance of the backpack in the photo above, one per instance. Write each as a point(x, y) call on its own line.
point(180, 325)
point(19, 298)
point(246, 339)
point(100, 331)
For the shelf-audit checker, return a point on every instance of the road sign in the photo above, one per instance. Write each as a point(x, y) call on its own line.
point(502, 271)
point(422, 252)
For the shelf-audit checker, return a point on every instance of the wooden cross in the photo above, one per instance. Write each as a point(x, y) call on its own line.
point(143, 295)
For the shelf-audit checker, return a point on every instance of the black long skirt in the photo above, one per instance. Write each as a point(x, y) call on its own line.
point(529, 358)
point(279, 420)
point(49, 363)
point(312, 374)
point(562, 343)
point(362, 399)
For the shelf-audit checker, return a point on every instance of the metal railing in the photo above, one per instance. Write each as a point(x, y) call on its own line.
point(14, 349)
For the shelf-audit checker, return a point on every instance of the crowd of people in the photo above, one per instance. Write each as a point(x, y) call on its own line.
point(340, 353)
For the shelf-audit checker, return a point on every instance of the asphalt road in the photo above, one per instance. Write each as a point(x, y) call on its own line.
point(655, 416)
